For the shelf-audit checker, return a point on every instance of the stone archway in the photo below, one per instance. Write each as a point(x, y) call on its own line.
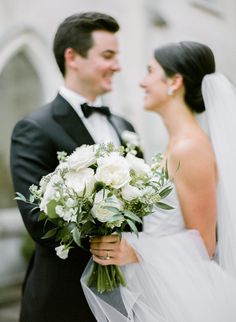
point(28, 78)
point(20, 92)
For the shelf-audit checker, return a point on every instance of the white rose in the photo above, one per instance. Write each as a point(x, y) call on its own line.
point(50, 192)
point(130, 192)
point(78, 180)
point(130, 137)
point(82, 157)
point(113, 170)
point(138, 165)
point(100, 201)
point(62, 251)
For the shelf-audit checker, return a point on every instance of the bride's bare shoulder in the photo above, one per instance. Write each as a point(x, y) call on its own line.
point(192, 153)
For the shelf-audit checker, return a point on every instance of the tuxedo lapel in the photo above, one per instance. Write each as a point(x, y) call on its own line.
point(120, 126)
point(66, 116)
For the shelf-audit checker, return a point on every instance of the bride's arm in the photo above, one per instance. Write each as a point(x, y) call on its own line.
point(195, 182)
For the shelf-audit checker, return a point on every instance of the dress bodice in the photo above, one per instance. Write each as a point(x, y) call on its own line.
point(165, 222)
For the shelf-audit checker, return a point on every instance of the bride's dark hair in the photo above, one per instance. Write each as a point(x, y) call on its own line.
point(193, 61)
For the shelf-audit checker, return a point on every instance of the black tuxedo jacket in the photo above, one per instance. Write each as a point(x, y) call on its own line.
point(52, 290)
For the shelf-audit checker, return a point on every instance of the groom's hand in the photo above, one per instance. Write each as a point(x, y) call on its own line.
point(111, 250)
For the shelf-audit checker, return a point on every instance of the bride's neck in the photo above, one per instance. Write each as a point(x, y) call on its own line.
point(179, 120)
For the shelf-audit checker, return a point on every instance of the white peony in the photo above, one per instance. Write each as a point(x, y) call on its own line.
point(50, 192)
point(78, 180)
point(113, 170)
point(100, 201)
point(130, 137)
point(130, 192)
point(82, 157)
point(62, 251)
point(138, 165)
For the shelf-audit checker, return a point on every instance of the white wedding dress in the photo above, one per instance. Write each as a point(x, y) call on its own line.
point(175, 281)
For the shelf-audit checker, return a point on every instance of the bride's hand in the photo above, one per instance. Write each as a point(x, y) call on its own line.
point(111, 250)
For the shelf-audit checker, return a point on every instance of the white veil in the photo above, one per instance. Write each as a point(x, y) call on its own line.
point(155, 287)
point(220, 102)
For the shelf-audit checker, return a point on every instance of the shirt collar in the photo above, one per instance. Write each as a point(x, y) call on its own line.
point(75, 99)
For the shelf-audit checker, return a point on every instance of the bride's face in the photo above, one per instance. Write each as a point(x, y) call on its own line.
point(155, 84)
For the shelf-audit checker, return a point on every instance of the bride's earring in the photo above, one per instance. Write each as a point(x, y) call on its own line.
point(170, 91)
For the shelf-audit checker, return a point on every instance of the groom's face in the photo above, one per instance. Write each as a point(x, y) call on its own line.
point(94, 73)
point(155, 84)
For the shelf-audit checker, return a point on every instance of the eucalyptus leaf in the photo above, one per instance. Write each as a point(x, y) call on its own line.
point(165, 192)
point(116, 218)
point(132, 216)
point(112, 209)
point(31, 199)
point(132, 226)
point(20, 197)
point(164, 206)
point(77, 236)
point(50, 233)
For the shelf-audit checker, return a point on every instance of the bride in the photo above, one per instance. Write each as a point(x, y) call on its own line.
point(171, 269)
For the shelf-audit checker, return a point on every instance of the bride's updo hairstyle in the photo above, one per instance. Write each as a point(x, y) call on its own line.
point(193, 61)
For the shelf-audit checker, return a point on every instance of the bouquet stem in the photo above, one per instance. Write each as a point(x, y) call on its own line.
point(105, 278)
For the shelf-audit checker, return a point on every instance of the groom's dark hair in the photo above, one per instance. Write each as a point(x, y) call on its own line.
point(76, 32)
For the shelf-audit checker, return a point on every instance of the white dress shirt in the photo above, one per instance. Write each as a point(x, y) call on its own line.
point(97, 124)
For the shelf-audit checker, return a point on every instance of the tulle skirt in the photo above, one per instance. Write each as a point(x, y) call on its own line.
point(174, 281)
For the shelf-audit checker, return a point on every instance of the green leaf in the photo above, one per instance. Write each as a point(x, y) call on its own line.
point(112, 209)
point(51, 209)
point(50, 233)
point(116, 218)
point(163, 205)
point(165, 192)
point(132, 226)
point(42, 216)
point(20, 197)
point(77, 236)
point(31, 199)
point(166, 170)
point(33, 209)
point(132, 216)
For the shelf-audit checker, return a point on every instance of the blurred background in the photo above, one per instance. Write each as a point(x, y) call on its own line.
point(29, 77)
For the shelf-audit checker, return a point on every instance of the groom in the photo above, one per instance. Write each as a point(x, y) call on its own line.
point(86, 49)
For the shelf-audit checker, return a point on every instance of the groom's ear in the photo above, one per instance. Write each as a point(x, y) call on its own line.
point(72, 59)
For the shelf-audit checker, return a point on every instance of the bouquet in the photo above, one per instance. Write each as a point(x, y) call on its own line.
point(99, 190)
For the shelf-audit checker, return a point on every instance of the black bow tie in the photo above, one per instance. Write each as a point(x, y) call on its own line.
point(88, 110)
